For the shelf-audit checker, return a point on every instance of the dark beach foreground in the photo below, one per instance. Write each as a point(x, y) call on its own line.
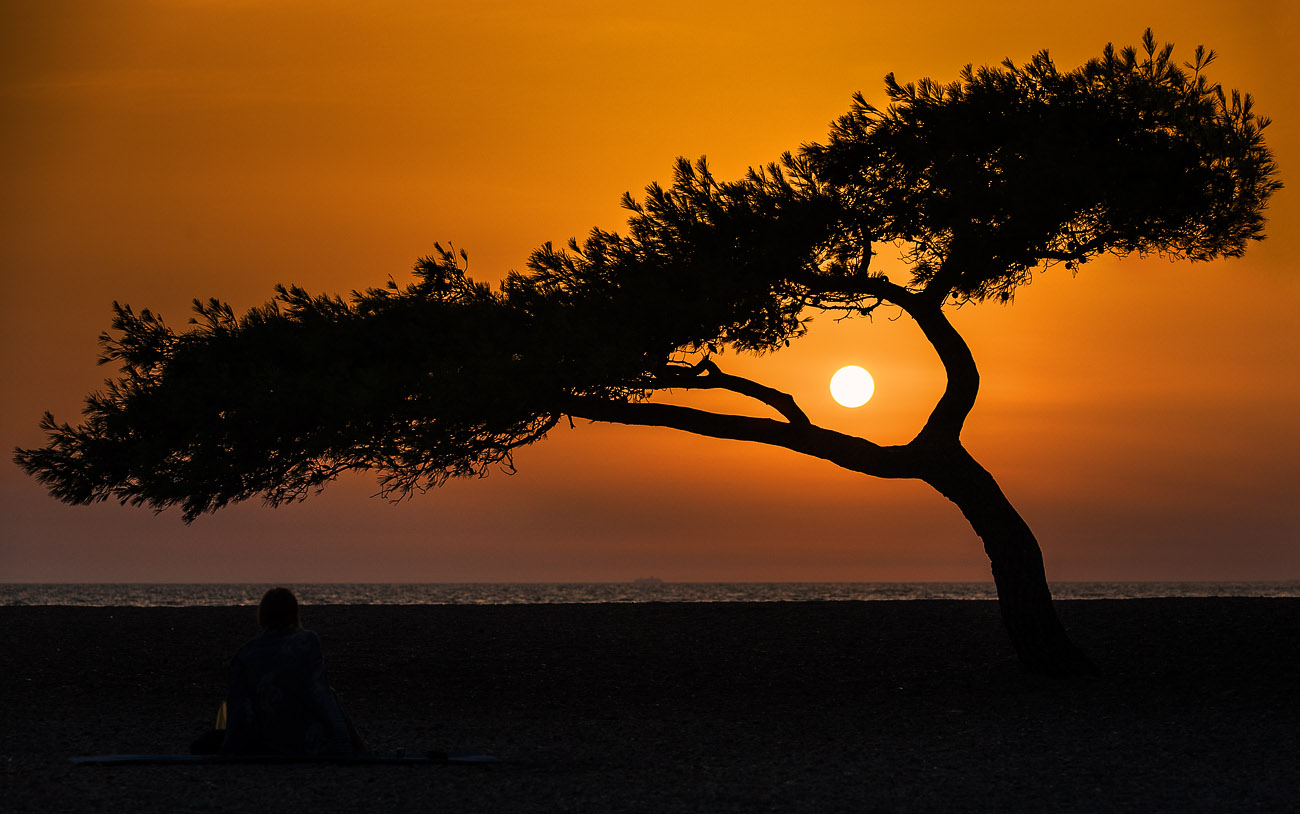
point(827, 706)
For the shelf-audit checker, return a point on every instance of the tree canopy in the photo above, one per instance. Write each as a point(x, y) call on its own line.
point(977, 183)
point(1008, 168)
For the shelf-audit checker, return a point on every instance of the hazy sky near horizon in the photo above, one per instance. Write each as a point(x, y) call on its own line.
point(1142, 415)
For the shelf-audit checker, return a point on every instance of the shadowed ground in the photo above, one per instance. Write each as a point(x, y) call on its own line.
point(680, 707)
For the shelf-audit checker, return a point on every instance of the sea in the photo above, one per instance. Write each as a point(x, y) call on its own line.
point(147, 595)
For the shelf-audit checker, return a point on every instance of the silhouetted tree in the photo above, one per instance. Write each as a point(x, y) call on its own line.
point(979, 182)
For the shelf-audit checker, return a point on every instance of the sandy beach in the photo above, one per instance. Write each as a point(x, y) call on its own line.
point(822, 706)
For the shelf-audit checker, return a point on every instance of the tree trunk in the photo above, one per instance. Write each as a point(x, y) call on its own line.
point(1023, 596)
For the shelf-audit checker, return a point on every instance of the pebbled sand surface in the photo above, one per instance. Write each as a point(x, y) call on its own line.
point(729, 707)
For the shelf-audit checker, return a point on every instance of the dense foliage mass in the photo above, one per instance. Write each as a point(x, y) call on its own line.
point(978, 183)
point(991, 176)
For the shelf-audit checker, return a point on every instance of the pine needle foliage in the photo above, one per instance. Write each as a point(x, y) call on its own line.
point(978, 182)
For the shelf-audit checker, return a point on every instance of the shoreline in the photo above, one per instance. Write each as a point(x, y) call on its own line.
point(224, 594)
point(795, 706)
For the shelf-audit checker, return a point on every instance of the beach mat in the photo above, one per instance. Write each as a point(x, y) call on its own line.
point(430, 758)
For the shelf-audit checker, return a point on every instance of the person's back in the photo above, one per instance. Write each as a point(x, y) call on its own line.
point(278, 700)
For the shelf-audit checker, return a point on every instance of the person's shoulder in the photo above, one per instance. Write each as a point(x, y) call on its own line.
point(302, 639)
point(277, 639)
point(258, 642)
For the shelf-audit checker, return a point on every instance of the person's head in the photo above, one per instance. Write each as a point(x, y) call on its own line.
point(279, 608)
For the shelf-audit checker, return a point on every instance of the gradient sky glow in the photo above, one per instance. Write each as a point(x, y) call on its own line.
point(1142, 415)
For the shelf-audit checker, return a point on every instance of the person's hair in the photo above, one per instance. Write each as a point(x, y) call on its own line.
point(278, 608)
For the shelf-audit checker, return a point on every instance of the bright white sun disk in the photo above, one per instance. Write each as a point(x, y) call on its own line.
point(852, 386)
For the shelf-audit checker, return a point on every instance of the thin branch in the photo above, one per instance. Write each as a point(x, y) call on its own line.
point(707, 376)
point(877, 287)
point(1080, 253)
point(941, 284)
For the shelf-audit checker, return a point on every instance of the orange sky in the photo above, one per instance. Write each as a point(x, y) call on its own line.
point(1141, 415)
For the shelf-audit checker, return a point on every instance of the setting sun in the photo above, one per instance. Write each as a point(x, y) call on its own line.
point(852, 386)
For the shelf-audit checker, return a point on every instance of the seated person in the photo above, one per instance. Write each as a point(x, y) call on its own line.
point(278, 701)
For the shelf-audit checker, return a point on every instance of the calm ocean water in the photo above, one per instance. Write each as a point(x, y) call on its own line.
point(225, 594)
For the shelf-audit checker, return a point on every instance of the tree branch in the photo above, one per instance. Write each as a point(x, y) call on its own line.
point(1079, 254)
point(949, 414)
point(847, 451)
point(852, 290)
point(926, 307)
point(941, 284)
point(707, 376)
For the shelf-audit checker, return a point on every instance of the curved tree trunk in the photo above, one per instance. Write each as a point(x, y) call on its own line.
point(1023, 596)
point(935, 456)
point(1024, 599)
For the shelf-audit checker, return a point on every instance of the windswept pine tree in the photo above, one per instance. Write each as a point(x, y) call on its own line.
point(979, 183)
